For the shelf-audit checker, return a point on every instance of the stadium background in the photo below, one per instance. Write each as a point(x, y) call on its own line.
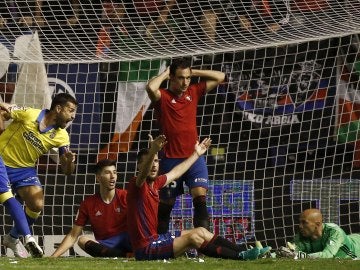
point(268, 156)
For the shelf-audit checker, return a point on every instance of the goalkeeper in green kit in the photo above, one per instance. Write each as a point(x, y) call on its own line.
point(321, 240)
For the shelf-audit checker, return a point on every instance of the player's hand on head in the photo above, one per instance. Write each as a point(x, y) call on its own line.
point(201, 148)
point(158, 143)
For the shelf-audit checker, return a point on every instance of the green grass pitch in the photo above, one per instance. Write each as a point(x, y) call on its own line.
point(180, 263)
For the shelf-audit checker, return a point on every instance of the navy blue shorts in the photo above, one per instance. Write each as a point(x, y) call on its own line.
point(22, 177)
point(120, 241)
point(159, 249)
point(196, 176)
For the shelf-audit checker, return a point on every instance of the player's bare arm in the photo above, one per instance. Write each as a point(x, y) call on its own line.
point(213, 77)
point(68, 241)
point(155, 146)
point(179, 170)
point(153, 85)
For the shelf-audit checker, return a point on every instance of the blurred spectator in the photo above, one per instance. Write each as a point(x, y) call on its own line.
point(86, 12)
point(112, 17)
point(6, 12)
point(267, 15)
point(148, 16)
point(30, 13)
point(198, 18)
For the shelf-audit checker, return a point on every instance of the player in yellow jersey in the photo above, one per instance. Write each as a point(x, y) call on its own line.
point(14, 207)
point(32, 133)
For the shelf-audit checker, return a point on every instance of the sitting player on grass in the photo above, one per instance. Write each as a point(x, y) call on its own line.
point(106, 212)
point(143, 200)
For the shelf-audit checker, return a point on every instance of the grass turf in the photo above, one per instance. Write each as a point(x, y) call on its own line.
point(79, 263)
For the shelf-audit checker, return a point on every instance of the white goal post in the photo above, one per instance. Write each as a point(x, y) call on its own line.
point(284, 124)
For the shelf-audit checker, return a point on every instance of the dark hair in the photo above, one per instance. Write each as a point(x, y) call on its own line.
point(182, 63)
point(104, 163)
point(141, 153)
point(61, 99)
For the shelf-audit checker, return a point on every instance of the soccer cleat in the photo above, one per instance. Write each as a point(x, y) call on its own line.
point(33, 248)
point(15, 245)
point(250, 254)
point(191, 253)
point(265, 252)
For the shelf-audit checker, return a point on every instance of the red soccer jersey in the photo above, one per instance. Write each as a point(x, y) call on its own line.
point(106, 220)
point(143, 205)
point(177, 120)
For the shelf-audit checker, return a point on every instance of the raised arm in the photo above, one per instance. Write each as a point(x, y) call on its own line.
point(180, 169)
point(214, 77)
point(147, 161)
point(68, 241)
point(153, 85)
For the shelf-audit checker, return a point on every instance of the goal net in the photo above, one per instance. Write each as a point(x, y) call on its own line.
point(284, 124)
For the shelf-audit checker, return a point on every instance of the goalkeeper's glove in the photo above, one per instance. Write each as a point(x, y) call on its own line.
point(286, 252)
point(290, 246)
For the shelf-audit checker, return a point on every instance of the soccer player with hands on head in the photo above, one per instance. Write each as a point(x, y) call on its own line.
point(317, 239)
point(175, 109)
point(32, 133)
point(143, 200)
point(106, 212)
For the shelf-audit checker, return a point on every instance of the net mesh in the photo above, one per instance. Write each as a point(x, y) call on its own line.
point(283, 124)
point(150, 29)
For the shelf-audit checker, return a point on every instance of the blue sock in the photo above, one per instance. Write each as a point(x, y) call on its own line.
point(17, 213)
point(14, 230)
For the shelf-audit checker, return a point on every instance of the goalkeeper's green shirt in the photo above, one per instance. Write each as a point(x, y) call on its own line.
point(334, 243)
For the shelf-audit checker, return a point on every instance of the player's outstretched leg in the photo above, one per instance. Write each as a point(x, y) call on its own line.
point(15, 245)
point(32, 247)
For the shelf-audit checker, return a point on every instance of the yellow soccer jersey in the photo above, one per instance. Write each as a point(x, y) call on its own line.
point(22, 143)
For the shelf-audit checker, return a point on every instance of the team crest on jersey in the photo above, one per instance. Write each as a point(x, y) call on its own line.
point(188, 98)
point(52, 134)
